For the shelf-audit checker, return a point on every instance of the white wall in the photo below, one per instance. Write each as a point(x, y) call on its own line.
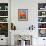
point(32, 6)
point(32, 15)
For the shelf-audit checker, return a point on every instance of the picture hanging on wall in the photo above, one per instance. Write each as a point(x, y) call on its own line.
point(23, 14)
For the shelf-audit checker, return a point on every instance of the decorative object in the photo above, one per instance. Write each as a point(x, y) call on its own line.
point(43, 13)
point(42, 25)
point(3, 13)
point(31, 27)
point(22, 14)
point(41, 19)
point(3, 19)
point(42, 32)
point(4, 26)
point(0, 7)
point(6, 7)
point(41, 6)
point(4, 29)
point(23, 40)
point(13, 27)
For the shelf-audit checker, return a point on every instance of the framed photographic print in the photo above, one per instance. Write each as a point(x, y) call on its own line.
point(23, 14)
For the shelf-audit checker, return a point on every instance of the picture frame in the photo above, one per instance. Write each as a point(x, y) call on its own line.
point(22, 14)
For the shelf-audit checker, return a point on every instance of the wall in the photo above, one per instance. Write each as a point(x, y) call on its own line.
point(32, 15)
point(32, 6)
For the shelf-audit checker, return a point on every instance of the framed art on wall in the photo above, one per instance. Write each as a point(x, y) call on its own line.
point(23, 14)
